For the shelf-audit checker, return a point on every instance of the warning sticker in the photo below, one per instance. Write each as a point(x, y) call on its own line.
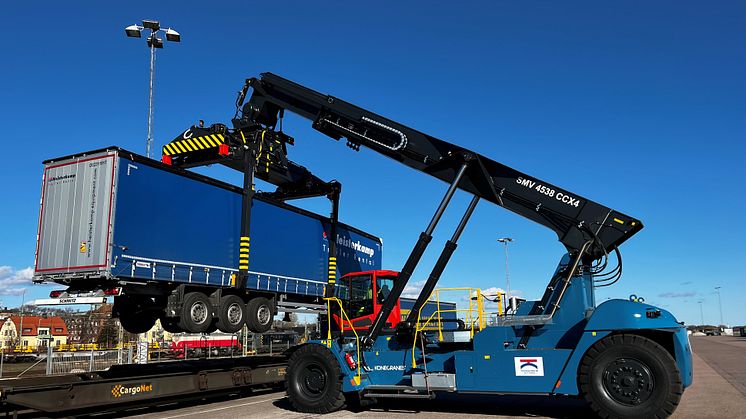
point(529, 366)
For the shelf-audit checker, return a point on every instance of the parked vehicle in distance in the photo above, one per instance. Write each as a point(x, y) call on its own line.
point(198, 346)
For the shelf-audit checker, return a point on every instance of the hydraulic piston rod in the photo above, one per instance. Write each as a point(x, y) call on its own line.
point(437, 271)
point(411, 263)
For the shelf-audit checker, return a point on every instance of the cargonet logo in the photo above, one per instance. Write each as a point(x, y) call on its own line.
point(119, 390)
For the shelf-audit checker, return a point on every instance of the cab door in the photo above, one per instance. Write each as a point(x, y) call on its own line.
point(365, 294)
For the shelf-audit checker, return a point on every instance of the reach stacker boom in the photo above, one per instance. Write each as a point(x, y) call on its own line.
point(625, 357)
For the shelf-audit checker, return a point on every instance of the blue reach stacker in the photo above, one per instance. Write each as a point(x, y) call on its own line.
point(628, 359)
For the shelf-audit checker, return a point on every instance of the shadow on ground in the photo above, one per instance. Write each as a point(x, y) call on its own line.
point(553, 407)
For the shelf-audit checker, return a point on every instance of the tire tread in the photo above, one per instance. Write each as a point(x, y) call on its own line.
point(667, 407)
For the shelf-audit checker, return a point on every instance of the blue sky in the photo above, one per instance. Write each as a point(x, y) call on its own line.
point(638, 106)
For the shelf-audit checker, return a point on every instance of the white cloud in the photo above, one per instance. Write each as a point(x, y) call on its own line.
point(412, 290)
point(14, 282)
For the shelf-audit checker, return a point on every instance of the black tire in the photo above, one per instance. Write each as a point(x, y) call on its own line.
point(314, 380)
point(630, 376)
point(136, 313)
point(212, 327)
point(260, 313)
point(136, 322)
point(231, 314)
point(196, 313)
point(171, 325)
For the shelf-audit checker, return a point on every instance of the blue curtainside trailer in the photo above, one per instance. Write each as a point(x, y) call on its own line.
point(113, 222)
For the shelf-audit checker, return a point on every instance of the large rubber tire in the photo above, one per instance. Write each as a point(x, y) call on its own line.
point(136, 322)
point(136, 313)
point(171, 325)
point(314, 380)
point(196, 313)
point(630, 376)
point(231, 314)
point(213, 327)
point(259, 316)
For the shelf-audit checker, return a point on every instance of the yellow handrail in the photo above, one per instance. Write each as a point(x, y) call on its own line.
point(342, 326)
point(475, 304)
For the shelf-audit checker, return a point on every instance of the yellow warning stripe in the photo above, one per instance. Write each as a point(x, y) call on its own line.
point(193, 144)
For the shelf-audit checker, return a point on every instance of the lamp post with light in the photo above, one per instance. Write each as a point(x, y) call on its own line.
point(135, 31)
point(505, 241)
point(720, 305)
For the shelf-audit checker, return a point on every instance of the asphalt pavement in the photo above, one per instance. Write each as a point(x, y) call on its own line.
point(719, 391)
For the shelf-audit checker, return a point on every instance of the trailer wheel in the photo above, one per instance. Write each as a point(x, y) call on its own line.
point(196, 313)
point(231, 314)
point(136, 322)
point(260, 313)
point(314, 380)
point(171, 325)
point(135, 313)
point(630, 376)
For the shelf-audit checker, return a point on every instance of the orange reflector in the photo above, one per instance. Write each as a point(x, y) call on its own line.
point(559, 382)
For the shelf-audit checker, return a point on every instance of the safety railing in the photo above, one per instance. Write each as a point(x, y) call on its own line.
point(344, 318)
point(473, 317)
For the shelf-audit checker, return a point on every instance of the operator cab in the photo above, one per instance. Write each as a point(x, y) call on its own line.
point(362, 294)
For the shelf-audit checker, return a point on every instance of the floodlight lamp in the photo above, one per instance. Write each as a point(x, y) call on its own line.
point(133, 31)
point(153, 25)
point(154, 42)
point(172, 35)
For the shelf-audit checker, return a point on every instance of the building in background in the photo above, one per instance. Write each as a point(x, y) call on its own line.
point(87, 327)
point(36, 332)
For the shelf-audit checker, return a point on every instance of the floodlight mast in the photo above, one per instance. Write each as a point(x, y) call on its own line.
point(505, 241)
point(153, 41)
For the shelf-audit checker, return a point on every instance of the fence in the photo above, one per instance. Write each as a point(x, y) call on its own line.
point(67, 359)
point(65, 363)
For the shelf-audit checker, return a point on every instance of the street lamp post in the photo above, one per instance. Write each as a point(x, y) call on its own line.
point(505, 241)
point(135, 31)
point(720, 305)
point(701, 313)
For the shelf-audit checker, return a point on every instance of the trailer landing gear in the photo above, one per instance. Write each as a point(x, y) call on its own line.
point(314, 380)
point(630, 376)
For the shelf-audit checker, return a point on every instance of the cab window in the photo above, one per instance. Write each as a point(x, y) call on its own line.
point(361, 296)
point(383, 287)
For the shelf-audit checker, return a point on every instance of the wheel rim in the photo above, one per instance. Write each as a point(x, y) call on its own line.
point(263, 314)
point(628, 381)
point(235, 313)
point(313, 381)
point(198, 312)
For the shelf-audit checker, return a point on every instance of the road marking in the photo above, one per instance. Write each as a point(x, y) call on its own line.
point(221, 408)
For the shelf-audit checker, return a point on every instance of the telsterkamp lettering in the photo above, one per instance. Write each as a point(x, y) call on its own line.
point(354, 245)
